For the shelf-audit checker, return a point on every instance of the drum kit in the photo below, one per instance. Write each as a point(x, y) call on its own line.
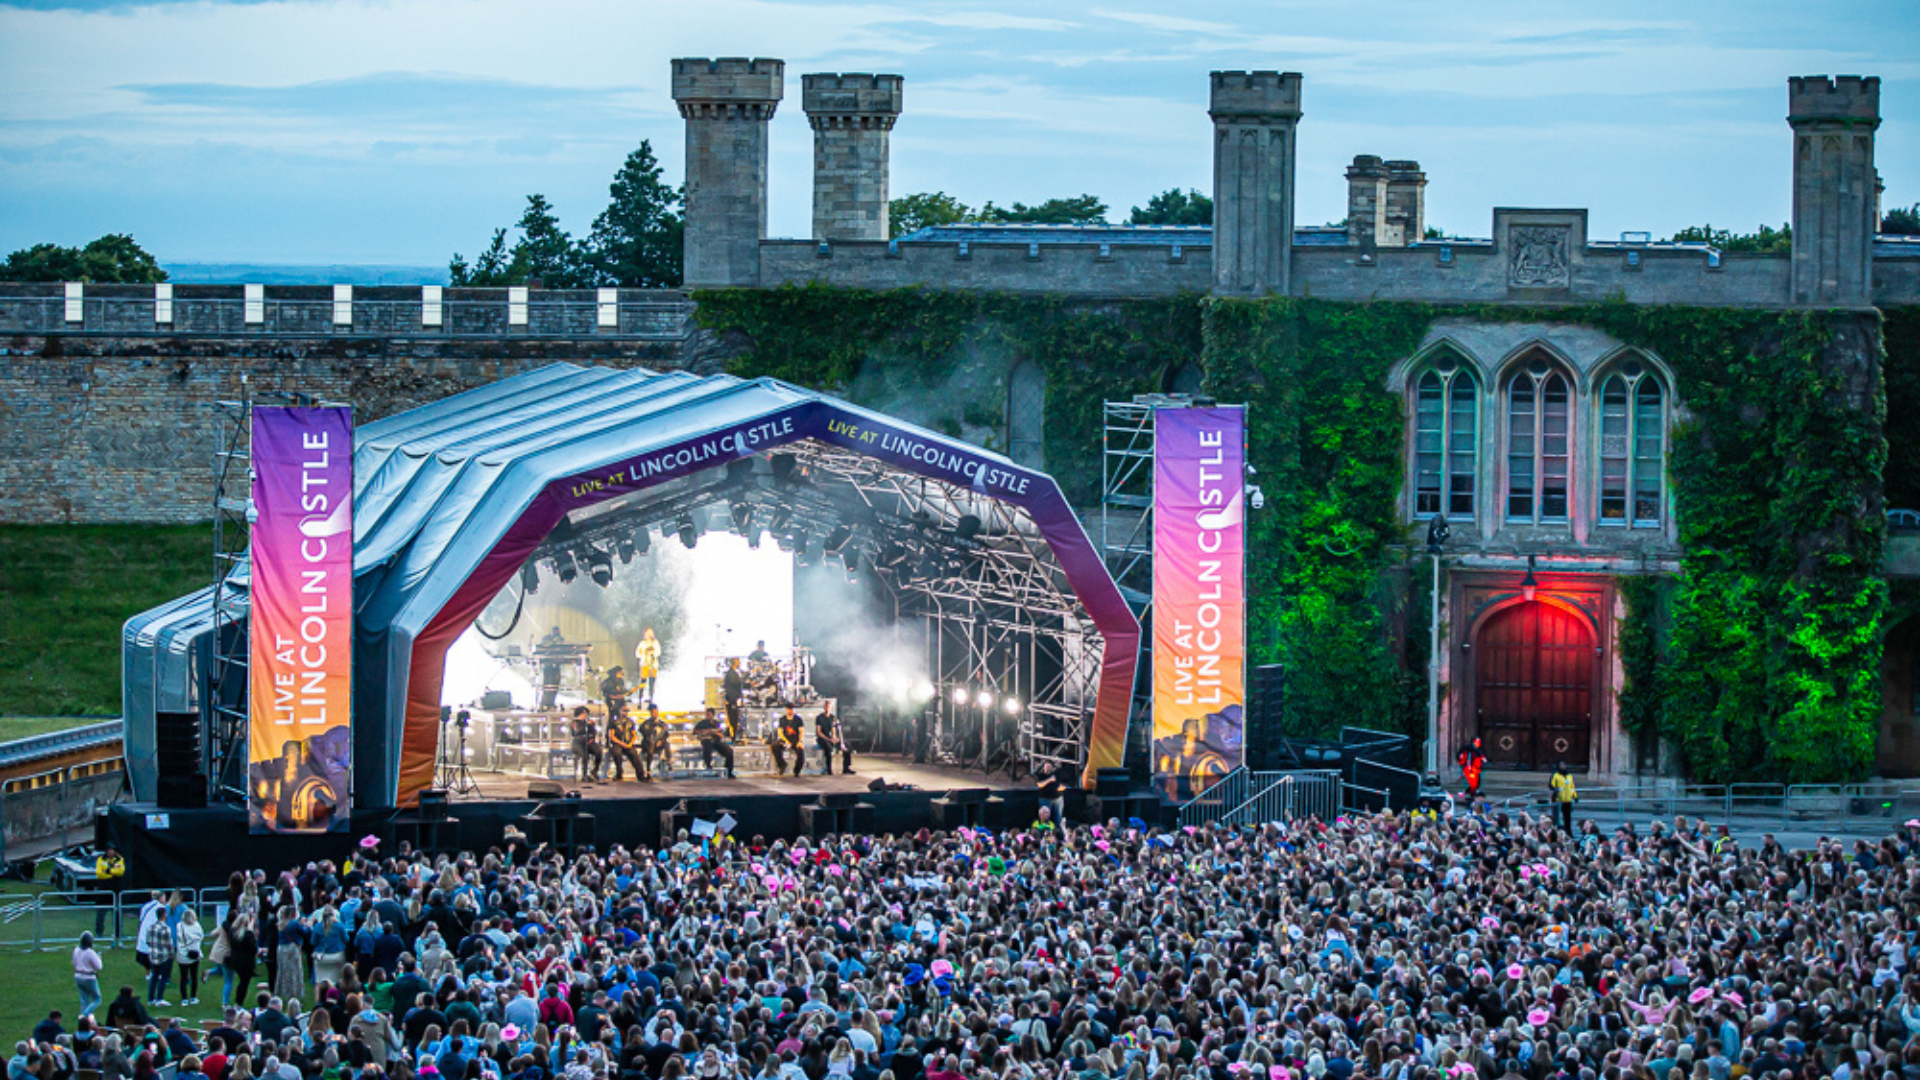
point(771, 684)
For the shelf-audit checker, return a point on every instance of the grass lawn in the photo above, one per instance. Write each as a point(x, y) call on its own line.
point(65, 591)
point(35, 982)
point(19, 727)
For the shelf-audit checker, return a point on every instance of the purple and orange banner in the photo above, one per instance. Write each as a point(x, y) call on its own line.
point(301, 622)
point(1199, 596)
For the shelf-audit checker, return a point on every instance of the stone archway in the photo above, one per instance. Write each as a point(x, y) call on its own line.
point(1535, 684)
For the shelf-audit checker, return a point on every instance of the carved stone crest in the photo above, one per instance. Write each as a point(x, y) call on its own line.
point(1538, 259)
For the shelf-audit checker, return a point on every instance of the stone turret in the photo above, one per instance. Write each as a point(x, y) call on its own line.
point(727, 104)
point(1407, 200)
point(1367, 203)
point(1255, 114)
point(851, 116)
point(1834, 188)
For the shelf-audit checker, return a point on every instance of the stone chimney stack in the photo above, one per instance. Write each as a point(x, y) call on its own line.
point(1255, 116)
point(851, 117)
point(727, 104)
point(1834, 188)
point(1367, 203)
point(1407, 201)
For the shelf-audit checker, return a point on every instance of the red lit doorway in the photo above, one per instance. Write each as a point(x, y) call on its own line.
point(1534, 670)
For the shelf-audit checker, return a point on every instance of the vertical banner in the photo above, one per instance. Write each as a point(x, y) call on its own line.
point(1199, 596)
point(300, 626)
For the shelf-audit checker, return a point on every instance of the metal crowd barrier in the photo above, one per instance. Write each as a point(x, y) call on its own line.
point(1769, 807)
point(1245, 797)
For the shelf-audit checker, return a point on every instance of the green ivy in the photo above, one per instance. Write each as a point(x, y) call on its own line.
point(1759, 660)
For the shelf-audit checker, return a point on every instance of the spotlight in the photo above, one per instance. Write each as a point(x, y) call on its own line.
point(985, 700)
point(783, 466)
point(625, 547)
point(600, 568)
point(1012, 705)
point(564, 565)
point(780, 519)
point(642, 540)
point(529, 579)
point(924, 690)
point(967, 527)
point(739, 469)
point(688, 534)
point(838, 538)
point(853, 570)
point(742, 515)
point(960, 695)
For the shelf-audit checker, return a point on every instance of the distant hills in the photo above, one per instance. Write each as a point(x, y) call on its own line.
point(212, 273)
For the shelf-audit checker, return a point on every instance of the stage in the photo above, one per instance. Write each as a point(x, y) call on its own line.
point(200, 847)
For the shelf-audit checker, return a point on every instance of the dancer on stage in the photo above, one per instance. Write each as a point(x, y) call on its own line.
point(828, 737)
point(713, 741)
point(623, 740)
point(787, 739)
point(587, 758)
point(646, 657)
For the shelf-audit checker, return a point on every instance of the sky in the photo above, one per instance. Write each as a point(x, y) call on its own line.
point(401, 131)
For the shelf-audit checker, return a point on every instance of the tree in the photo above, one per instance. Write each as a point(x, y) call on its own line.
point(545, 253)
point(1902, 221)
point(1174, 207)
point(636, 240)
point(1766, 241)
point(1078, 210)
point(911, 213)
point(488, 271)
point(112, 259)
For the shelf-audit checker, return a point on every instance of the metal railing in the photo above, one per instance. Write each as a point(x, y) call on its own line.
point(1245, 797)
point(1772, 807)
point(51, 918)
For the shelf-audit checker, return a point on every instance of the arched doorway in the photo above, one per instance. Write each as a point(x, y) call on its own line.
point(1534, 687)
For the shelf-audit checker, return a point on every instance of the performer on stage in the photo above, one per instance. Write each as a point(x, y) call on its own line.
point(713, 741)
point(828, 736)
point(623, 740)
point(587, 758)
point(614, 689)
point(653, 740)
point(550, 668)
point(759, 655)
point(733, 688)
point(646, 657)
point(788, 739)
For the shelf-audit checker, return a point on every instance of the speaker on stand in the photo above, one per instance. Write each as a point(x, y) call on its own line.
point(179, 761)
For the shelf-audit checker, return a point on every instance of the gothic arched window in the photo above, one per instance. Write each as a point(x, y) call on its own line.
point(1632, 448)
point(1539, 434)
point(1026, 414)
point(1446, 440)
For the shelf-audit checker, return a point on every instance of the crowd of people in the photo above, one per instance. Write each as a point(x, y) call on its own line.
point(1389, 947)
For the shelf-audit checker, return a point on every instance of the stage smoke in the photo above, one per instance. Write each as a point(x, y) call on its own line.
point(862, 654)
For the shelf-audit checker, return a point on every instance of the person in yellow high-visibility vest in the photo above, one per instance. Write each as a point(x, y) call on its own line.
point(1564, 794)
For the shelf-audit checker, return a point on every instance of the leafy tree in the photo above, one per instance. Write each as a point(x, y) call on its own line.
point(112, 259)
point(1174, 207)
point(1078, 210)
point(1766, 241)
point(1902, 221)
point(488, 271)
point(636, 240)
point(910, 213)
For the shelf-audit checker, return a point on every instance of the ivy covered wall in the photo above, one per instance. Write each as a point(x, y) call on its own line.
point(1759, 661)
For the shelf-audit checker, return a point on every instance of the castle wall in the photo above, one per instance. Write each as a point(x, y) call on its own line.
point(1064, 269)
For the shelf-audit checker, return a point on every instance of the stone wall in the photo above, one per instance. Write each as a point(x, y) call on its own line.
point(105, 428)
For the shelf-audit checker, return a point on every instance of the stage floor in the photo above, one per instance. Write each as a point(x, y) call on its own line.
point(895, 770)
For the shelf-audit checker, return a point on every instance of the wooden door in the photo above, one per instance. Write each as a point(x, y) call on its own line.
point(1534, 695)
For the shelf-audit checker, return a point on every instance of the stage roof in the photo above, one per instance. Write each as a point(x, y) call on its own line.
point(452, 497)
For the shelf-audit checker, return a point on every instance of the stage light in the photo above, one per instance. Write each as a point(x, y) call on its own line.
point(1012, 705)
point(689, 535)
point(600, 568)
point(742, 515)
point(960, 695)
point(924, 690)
point(529, 579)
point(783, 465)
point(985, 700)
point(893, 555)
point(967, 527)
point(739, 470)
point(625, 548)
point(838, 538)
point(564, 566)
point(642, 540)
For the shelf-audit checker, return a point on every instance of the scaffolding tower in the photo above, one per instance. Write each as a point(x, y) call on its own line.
point(226, 696)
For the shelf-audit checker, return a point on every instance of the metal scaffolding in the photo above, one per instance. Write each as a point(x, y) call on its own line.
point(225, 706)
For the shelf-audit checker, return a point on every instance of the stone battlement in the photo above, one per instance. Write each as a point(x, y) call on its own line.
point(862, 100)
point(729, 87)
point(1255, 94)
point(1847, 98)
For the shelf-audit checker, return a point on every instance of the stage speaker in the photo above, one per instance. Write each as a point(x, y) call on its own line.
point(545, 789)
point(176, 743)
point(1112, 783)
point(433, 804)
point(496, 700)
point(182, 791)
